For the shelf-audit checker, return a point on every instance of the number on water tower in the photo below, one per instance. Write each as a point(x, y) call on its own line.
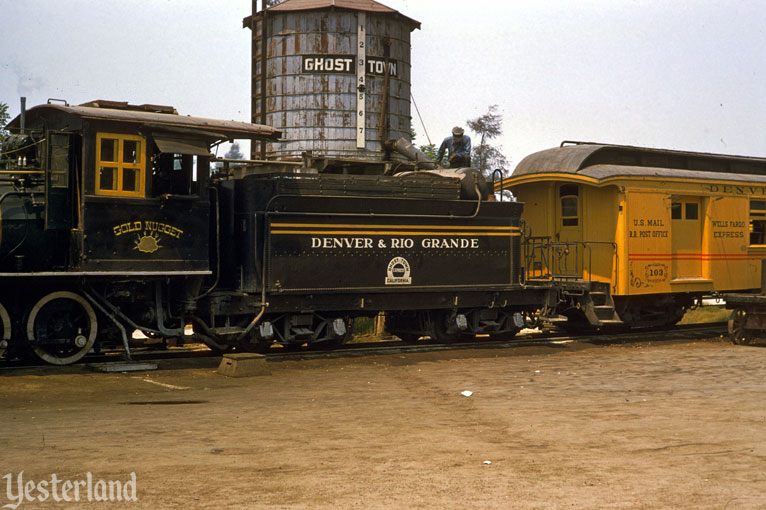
point(360, 74)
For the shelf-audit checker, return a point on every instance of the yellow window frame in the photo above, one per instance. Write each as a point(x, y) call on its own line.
point(121, 165)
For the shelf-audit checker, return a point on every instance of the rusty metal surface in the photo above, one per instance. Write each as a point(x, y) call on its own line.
point(317, 112)
point(229, 128)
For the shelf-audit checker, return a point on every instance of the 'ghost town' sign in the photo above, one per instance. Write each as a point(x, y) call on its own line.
point(345, 64)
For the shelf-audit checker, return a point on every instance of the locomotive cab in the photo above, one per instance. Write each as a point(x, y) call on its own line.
point(146, 206)
point(106, 221)
point(95, 189)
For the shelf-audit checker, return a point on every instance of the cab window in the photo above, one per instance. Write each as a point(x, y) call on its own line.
point(172, 174)
point(120, 165)
point(178, 165)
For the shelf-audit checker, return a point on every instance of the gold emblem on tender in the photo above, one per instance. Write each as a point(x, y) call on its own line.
point(148, 243)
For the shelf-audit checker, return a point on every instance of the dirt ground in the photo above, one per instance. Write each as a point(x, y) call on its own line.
point(676, 426)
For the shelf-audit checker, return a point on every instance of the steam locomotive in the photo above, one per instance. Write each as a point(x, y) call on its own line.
point(113, 220)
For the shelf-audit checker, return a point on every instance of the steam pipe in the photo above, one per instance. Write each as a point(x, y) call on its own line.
point(23, 118)
point(160, 312)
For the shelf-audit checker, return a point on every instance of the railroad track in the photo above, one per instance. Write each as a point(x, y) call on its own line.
point(685, 332)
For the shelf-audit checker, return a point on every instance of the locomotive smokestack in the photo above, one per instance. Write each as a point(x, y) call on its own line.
point(23, 118)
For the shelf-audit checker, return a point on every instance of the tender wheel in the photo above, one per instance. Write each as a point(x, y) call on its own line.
point(257, 342)
point(338, 341)
point(739, 335)
point(439, 331)
point(61, 328)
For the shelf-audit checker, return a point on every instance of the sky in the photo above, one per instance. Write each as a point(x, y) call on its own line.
point(685, 75)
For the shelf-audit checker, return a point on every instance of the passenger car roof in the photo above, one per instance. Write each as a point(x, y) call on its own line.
point(603, 161)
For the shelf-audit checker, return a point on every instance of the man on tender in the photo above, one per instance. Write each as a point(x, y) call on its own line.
point(459, 146)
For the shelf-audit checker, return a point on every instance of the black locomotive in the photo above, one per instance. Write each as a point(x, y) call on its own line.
point(112, 221)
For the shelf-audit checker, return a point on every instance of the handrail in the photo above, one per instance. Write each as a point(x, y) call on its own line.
point(494, 182)
point(268, 209)
point(549, 260)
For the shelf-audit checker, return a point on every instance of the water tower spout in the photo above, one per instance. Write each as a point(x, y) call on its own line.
point(409, 151)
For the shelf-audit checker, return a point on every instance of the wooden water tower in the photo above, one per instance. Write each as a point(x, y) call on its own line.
point(333, 75)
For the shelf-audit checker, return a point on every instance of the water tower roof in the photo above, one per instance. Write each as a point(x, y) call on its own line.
point(353, 5)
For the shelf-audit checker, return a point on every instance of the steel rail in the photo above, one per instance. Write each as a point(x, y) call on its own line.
point(658, 336)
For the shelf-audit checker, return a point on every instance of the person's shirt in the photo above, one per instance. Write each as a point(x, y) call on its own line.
point(461, 147)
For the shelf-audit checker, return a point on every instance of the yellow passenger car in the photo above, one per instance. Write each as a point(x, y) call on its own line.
point(657, 228)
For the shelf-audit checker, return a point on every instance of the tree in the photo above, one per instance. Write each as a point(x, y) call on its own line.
point(4, 118)
point(234, 152)
point(484, 156)
point(429, 150)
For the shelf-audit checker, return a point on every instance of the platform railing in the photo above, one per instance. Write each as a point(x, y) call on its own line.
point(545, 259)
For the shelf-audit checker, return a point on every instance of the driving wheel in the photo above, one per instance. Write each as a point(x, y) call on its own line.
point(61, 328)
